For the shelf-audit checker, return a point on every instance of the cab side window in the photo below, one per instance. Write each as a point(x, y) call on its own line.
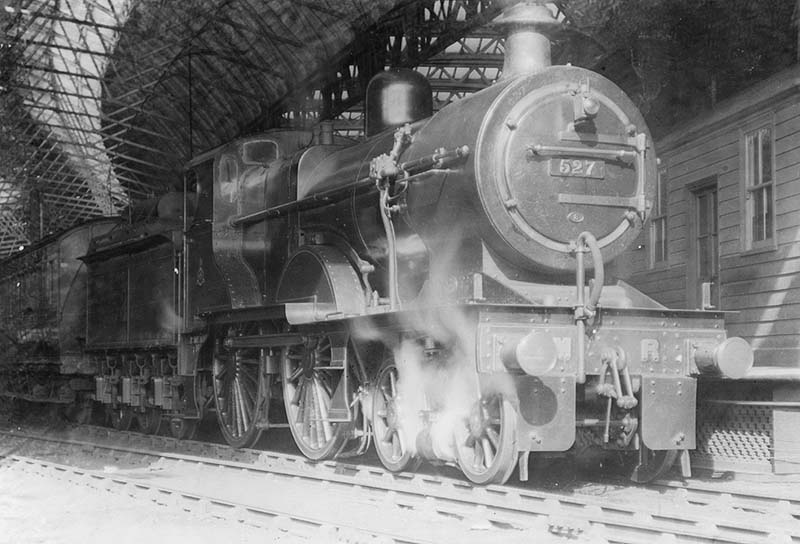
point(227, 178)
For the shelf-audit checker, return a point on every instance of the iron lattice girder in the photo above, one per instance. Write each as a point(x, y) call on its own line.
point(54, 55)
point(116, 76)
point(409, 36)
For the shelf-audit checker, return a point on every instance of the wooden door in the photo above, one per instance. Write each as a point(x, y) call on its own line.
point(706, 246)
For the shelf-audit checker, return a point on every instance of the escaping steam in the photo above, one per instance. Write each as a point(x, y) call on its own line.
point(435, 395)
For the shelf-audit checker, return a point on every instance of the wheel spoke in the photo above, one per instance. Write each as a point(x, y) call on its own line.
point(307, 408)
point(245, 409)
point(323, 412)
point(315, 419)
point(233, 409)
point(237, 404)
point(493, 437)
point(488, 453)
point(298, 392)
point(470, 441)
point(477, 460)
point(249, 393)
point(296, 373)
point(392, 384)
point(299, 400)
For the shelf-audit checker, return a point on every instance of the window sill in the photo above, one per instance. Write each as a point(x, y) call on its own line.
point(759, 249)
point(659, 266)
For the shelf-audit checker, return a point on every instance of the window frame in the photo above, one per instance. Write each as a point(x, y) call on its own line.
point(748, 189)
point(228, 186)
point(660, 216)
point(252, 144)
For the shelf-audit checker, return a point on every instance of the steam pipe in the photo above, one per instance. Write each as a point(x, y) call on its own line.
point(386, 217)
point(599, 269)
point(584, 310)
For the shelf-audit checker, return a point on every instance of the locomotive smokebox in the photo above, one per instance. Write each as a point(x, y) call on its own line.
point(529, 27)
point(396, 97)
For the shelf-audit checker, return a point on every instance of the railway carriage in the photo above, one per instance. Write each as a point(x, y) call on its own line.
point(43, 319)
point(438, 289)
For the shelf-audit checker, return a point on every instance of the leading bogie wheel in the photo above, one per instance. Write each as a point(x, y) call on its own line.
point(391, 443)
point(486, 444)
point(308, 386)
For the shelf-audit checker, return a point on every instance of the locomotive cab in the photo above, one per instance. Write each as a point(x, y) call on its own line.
point(251, 175)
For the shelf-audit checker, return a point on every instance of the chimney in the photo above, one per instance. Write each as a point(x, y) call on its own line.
point(528, 26)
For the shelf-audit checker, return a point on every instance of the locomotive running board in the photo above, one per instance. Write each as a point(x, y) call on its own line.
point(225, 316)
point(264, 341)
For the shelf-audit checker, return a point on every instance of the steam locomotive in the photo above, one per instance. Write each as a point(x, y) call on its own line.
point(425, 289)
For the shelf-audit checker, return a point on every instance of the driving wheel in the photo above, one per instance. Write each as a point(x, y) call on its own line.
point(240, 393)
point(309, 381)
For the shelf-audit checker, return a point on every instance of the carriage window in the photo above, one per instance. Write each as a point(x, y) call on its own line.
point(259, 152)
point(759, 179)
point(227, 174)
point(658, 221)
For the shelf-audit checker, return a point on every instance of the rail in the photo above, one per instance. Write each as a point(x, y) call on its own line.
point(418, 502)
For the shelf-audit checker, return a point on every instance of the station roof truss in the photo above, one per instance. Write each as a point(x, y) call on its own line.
point(103, 102)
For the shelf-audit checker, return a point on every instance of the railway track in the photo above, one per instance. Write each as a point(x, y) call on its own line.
point(359, 503)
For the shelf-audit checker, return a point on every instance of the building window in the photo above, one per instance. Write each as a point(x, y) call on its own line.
point(759, 182)
point(658, 222)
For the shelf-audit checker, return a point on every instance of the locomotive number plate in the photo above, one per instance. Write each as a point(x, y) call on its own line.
point(578, 168)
